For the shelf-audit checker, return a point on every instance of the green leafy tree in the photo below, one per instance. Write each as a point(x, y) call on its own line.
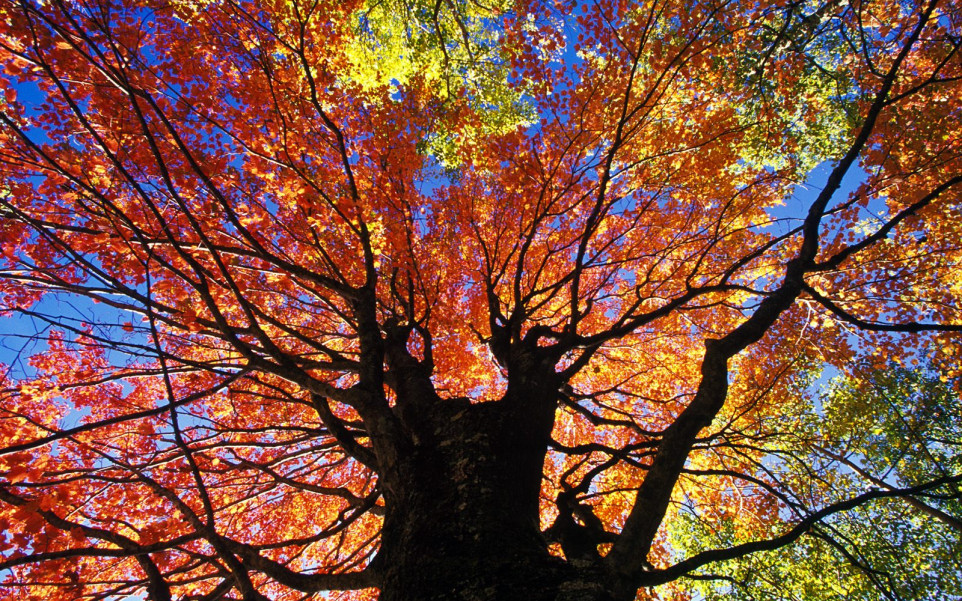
point(885, 430)
point(452, 47)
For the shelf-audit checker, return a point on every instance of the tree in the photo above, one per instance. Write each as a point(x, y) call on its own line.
point(492, 301)
point(905, 547)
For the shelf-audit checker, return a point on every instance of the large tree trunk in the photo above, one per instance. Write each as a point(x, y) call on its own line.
point(464, 523)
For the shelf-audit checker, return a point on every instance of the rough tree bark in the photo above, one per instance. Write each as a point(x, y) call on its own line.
point(462, 503)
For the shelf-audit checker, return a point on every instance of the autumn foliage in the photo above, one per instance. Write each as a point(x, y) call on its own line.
point(513, 300)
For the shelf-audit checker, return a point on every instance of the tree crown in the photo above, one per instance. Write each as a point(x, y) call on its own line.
point(284, 259)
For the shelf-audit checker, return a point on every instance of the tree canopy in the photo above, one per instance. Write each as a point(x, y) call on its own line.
point(584, 300)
